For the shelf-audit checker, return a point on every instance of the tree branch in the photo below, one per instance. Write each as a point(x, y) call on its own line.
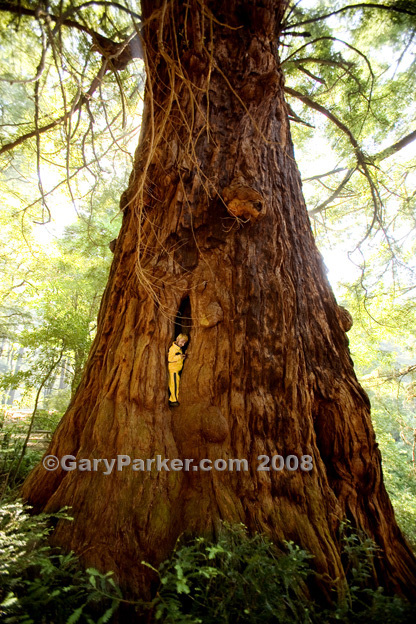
point(324, 175)
point(39, 71)
point(324, 111)
point(393, 149)
point(334, 195)
point(370, 5)
point(311, 75)
point(294, 117)
point(346, 66)
point(348, 45)
point(44, 380)
point(321, 61)
point(125, 50)
point(362, 161)
point(386, 153)
point(75, 107)
point(116, 5)
point(19, 9)
point(84, 166)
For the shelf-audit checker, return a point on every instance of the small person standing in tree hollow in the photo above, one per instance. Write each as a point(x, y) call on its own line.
point(175, 365)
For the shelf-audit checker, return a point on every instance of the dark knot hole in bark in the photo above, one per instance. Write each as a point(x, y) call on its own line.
point(183, 320)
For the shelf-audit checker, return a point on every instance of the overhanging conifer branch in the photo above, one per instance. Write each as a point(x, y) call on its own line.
point(351, 7)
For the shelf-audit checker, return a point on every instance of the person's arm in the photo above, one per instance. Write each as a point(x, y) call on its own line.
point(175, 354)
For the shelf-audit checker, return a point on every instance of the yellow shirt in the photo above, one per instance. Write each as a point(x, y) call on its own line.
point(175, 361)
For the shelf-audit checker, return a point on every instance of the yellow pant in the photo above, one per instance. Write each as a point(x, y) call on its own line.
point(173, 386)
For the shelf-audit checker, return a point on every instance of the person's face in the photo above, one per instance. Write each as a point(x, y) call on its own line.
point(181, 342)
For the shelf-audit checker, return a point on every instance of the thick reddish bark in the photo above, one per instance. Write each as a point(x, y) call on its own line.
point(268, 368)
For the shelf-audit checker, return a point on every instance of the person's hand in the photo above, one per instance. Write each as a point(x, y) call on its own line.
point(183, 356)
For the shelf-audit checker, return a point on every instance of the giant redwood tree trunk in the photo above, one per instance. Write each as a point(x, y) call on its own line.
point(215, 225)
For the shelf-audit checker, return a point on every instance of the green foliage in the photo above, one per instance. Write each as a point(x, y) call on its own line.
point(231, 580)
point(41, 585)
point(239, 579)
point(360, 67)
point(236, 579)
point(384, 351)
point(394, 425)
point(12, 436)
point(52, 314)
point(50, 292)
point(48, 419)
point(45, 69)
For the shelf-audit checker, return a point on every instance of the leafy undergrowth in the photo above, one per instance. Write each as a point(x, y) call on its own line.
point(40, 584)
point(241, 579)
point(234, 579)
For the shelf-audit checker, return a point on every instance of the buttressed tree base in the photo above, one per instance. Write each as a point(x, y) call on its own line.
point(214, 215)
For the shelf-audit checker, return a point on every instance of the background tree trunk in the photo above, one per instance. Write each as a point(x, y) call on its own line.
point(268, 370)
